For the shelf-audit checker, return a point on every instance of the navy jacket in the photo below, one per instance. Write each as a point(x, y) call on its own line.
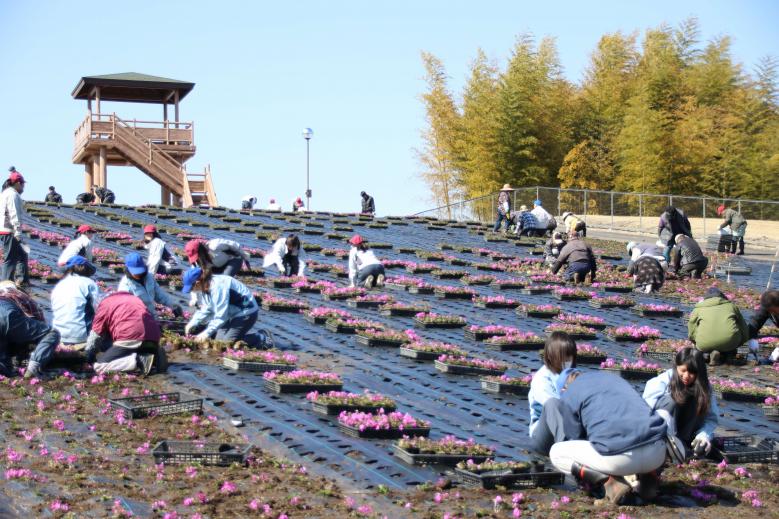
point(605, 410)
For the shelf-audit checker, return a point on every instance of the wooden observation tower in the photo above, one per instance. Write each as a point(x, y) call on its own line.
point(158, 148)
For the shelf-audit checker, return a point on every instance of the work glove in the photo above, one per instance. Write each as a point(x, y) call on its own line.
point(202, 337)
point(188, 329)
point(701, 444)
point(774, 355)
point(178, 311)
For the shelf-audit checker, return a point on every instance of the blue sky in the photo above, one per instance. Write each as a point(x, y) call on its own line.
point(266, 70)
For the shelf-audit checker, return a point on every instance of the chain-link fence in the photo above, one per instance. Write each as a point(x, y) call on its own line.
point(629, 212)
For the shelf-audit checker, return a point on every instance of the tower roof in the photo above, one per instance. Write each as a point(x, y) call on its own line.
point(131, 87)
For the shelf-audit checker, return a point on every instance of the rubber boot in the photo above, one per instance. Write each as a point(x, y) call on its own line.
point(648, 485)
point(584, 474)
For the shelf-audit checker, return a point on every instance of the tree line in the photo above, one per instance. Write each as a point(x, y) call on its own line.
point(667, 114)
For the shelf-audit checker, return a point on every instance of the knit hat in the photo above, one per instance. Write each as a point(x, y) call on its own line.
point(150, 229)
point(356, 239)
point(83, 229)
point(134, 263)
point(189, 279)
point(562, 378)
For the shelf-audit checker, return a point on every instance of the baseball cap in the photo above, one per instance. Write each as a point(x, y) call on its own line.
point(134, 263)
point(84, 229)
point(189, 279)
point(537, 202)
point(191, 249)
point(562, 378)
point(356, 239)
point(15, 177)
point(149, 228)
point(76, 260)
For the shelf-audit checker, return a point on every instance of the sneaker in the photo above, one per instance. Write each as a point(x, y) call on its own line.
point(369, 282)
point(715, 358)
point(145, 363)
point(380, 280)
point(267, 339)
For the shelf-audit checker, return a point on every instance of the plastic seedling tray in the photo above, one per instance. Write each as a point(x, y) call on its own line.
point(336, 409)
point(517, 346)
point(597, 304)
point(658, 313)
point(370, 341)
point(420, 290)
point(771, 411)
point(157, 405)
point(618, 290)
point(582, 336)
point(736, 396)
point(271, 307)
point(222, 454)
point(419, 355)
point(746, 449)
point(663, 356)
point(241, 365)
point(279, 387)
point(452, 295)
point(498, 304)
point(364, 304)
point(493, 386)
point(315, 320)
point(416, 458)
point(633, 374)
point(339, 328)
point(571, 297)
point(538, 315)
point(402, 312)
point(456, 369)
point(384, 434)
point(423, 324)
point(534, 291)
point(491, 480)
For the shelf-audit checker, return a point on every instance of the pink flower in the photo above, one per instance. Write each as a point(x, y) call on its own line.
point(516, 512)
point(254, 504)
point(228, 487)
point(565, 500)
point(188, 501)
point(159, 505)
point(59, 425)
point(190, 471)
point(58, 506)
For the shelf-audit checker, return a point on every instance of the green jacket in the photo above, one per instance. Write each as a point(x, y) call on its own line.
point(717, 324)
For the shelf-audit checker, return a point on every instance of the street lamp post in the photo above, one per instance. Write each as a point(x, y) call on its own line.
point(307, 134)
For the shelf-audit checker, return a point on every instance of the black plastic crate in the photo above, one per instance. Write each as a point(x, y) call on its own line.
point(336, 409)
point(222, 454)
point(434, 459)
point(491, 480)
point(158, 404)
point(746, 449)
point(279, 387)
point(493, 386)
point(384, 434)
point(455, 369)
point(243, 365)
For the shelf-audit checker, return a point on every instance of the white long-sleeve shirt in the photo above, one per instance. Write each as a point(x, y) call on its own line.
point(542, 388)
point(275, 206)
point(11, 212)
point(277, 253)
point(223, 251)
point(74, 248)
point(156, 247)
point(358, 260)
point(542, 215)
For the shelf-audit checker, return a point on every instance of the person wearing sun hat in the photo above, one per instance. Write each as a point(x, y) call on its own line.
point(80, 245)
point(74, 301)
point(160, 260)
point(139, 281)
point(15, 252)
point(364, 268)
point(227, 310)
point(504, 208)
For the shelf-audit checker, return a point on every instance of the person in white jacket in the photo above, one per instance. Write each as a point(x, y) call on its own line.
point(15, 254)
point(140, 282)
point(160, 260)
point(80, 245)
point(287, 255)
point(248, 202)
point(273, 205)
point(684, 398)
point(74, 301)
point(365, 269)
point(543, 217)
point(223, 256)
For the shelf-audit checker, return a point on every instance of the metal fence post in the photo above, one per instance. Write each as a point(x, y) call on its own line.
point(559, 202)
point(704, 217)
point(585, 205)
point(612, 211)
point(640, 211)
point(538, 193)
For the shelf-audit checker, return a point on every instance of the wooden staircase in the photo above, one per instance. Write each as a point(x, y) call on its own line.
point(127, 140)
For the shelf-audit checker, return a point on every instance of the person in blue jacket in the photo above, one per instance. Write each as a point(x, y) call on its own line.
point(543, 400)
point(608, 432)
point(227, 310)
point(141, 283)
point(684, 398)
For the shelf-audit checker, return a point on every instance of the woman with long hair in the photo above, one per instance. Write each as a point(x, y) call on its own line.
point(160, 260)
point(364, 268)
point(683, 397)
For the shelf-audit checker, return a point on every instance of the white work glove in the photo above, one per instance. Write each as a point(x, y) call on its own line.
point(774, 355)
point(701, 443)
point(202, 337)
point(754, 346)
point(188, 329)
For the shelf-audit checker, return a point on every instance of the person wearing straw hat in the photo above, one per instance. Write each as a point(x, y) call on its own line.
point(80, 245)
point(364, 268)
point(15, 253)
point(504, 207)
point(160, 260)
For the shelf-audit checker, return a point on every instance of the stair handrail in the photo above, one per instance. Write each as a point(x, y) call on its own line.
point(210, 191)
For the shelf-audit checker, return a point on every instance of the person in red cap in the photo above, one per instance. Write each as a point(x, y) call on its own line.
point(80, 245)
point(364, 267)
point(735, 221)
point(288, 256)
point(298, 206)
point(11, 214)
point(160, 260)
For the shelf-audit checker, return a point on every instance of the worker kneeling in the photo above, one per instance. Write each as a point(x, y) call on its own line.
point(608, 432)
point(128, 335)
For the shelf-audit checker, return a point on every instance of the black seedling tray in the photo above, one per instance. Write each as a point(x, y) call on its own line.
point(492, 386)
point(222, 454)
point(278, 387)
point(383, 434)
point(242, 365)
point(336, 409)
point(434, 459)
point(157, 404)
point(455, 369)
point(489, 481)
point(746, 449)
